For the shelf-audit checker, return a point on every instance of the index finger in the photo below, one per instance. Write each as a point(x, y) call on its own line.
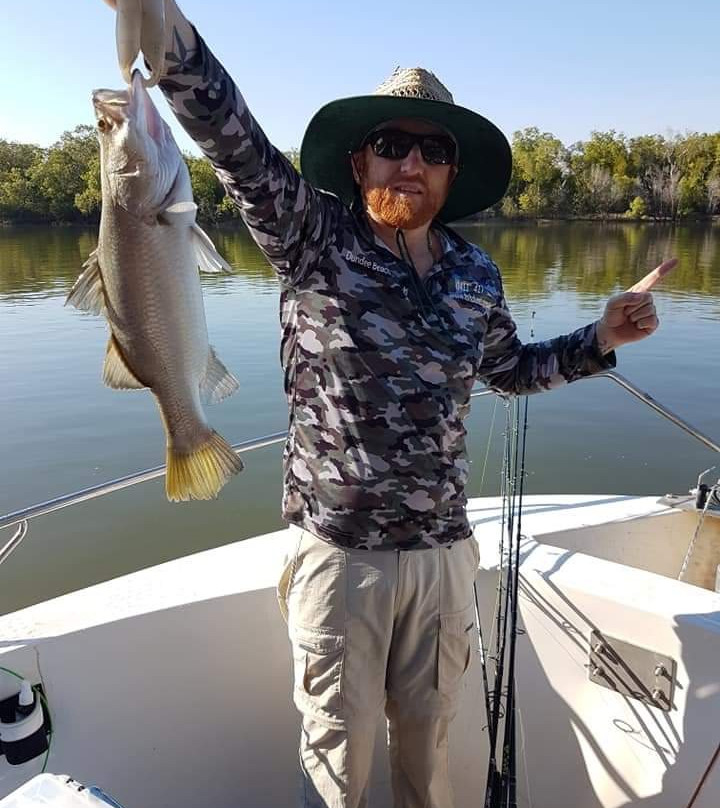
point(646, 284)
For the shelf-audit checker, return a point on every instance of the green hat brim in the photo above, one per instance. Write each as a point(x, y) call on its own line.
point(339, 127)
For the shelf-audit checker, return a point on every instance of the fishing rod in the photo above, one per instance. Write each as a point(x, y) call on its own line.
point(493, 716)
point(501, 789)
point(509, 773)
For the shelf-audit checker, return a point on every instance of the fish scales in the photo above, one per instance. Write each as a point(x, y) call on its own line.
point(144, 278)
point(159, 317)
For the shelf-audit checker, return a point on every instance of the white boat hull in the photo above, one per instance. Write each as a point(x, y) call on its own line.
point(172, 686)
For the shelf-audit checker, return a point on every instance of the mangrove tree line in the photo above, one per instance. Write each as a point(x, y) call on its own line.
point(608, 175)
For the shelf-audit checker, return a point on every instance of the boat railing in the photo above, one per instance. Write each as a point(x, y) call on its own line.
point(21, 518)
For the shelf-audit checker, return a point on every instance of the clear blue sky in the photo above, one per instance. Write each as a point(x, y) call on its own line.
point(566, 67)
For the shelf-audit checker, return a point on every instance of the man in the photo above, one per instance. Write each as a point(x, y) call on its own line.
point(388, 319)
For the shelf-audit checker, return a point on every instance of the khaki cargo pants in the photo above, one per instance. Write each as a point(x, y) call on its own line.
point(372, 629)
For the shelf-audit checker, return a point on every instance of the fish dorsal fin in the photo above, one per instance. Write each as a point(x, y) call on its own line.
point(208, 258)
point(87, 293)
point(116, 373)
point(179, 214)
point(218, 382)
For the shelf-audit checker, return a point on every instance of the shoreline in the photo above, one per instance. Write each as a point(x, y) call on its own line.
point(618, 218)
point(608, 218)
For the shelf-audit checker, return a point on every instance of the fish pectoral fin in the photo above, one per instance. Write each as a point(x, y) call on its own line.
point(218, 382)
point(182, 214)
point(88, 293)
point(116, 373)
point(179, 214)
point(208, 258)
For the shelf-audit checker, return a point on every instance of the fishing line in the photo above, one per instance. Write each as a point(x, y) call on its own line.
point(489, 441)
point(483, 648)
point(691, 547)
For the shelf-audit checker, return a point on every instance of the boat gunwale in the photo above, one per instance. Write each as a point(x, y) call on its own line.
point(22, 516)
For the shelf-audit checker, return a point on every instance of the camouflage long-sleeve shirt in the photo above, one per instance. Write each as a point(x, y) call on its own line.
point(378, 364)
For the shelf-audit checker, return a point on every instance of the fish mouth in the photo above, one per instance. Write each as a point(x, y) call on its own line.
point(144, 111)
point(114, 98)
point(133, 104)
point(111, 103)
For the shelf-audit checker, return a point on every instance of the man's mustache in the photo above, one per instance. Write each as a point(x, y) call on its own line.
point(393, 183)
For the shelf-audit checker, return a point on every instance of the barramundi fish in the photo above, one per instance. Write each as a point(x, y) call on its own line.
point(143, 277)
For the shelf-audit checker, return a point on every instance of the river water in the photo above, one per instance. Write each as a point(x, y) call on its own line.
point(61, 430)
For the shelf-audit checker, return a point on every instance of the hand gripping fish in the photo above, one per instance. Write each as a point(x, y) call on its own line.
point(143, 277)
point(142, 25)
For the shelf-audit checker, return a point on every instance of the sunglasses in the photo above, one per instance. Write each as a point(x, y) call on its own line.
point(395, 144)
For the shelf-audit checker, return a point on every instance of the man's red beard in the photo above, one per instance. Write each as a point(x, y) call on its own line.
point(399, 210)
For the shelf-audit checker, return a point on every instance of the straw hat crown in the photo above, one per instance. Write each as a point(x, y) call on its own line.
point(415, 82)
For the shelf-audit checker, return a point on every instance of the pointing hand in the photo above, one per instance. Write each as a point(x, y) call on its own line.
point(631, 316)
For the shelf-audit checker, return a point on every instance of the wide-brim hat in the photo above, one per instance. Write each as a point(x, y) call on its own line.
point(340, 127)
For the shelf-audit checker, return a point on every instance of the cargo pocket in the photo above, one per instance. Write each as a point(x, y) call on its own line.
point(454, 649)
point(318, 655)
point(286, 578)
point(476, 551)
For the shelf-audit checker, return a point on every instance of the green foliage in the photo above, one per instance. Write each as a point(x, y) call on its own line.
point(293, 155)
point(537, 182)
point(697, 161)
point(607, 175)
point(89, 200)
point(509, 207)
point(19, 197)
point(21, 156)
point(637, 208)
point(600, 167)
point(42, 184)
point(207, 191)
point(227, 209)
point(59, 178)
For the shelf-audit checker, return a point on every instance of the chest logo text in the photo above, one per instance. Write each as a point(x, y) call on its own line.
point(362, 261)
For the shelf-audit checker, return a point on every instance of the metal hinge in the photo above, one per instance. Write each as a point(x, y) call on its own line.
point(632, 671)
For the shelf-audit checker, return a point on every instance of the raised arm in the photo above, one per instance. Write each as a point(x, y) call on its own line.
point(289, 220)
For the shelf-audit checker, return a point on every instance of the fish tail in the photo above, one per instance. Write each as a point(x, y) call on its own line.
point(200, 474)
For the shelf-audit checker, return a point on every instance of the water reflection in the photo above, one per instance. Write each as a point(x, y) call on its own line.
point(537, 260)
point(598, 258)
point(37, 262)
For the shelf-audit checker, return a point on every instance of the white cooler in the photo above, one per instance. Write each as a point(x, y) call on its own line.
point(57, 791)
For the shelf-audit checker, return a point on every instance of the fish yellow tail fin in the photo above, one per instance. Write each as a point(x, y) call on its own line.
point(202, 473)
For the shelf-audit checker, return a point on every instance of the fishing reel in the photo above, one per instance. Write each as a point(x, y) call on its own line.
point(23, 724)
point(707, 497)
